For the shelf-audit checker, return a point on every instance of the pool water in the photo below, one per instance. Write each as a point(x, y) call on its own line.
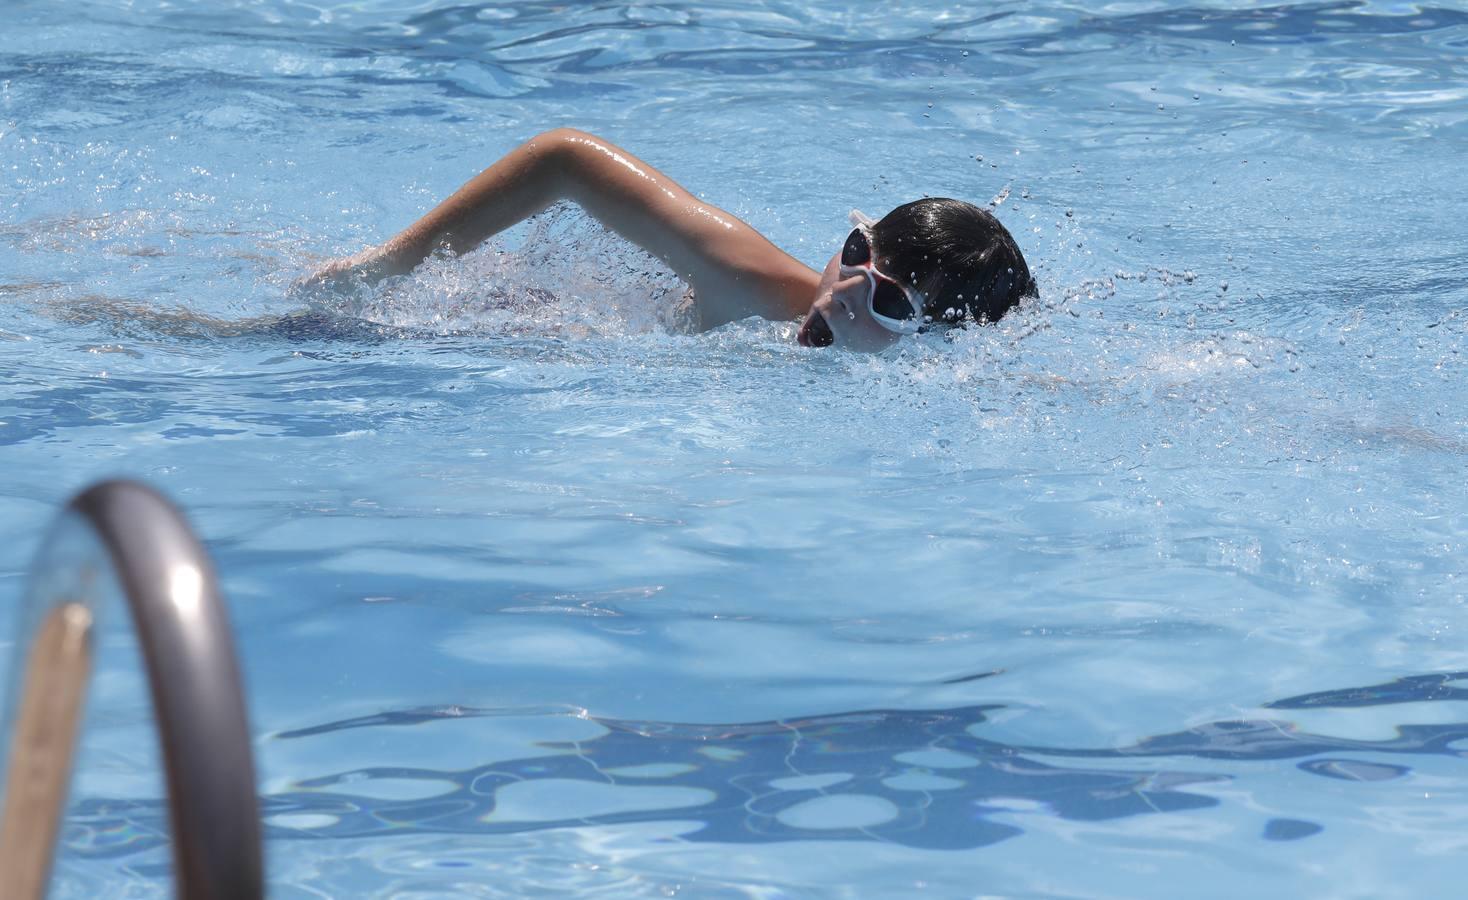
point(1157, 587)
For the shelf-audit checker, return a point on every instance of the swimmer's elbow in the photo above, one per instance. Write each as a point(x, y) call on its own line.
point(562, 148)
point(564, 135)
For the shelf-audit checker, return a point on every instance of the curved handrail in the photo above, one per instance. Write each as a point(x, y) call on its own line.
point(198, 699)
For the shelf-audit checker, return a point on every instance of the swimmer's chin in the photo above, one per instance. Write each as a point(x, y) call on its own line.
point(815, 332)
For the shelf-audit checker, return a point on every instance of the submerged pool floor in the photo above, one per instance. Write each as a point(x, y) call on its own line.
point(1155, 588)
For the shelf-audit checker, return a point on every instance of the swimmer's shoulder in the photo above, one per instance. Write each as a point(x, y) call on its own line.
point(775, 287)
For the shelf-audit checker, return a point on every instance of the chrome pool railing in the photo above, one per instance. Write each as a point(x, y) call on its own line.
point(130, 531)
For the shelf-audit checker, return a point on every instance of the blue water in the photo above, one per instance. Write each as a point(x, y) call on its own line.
point(1156, 588)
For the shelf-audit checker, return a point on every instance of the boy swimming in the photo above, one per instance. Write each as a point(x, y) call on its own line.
point(932, 260)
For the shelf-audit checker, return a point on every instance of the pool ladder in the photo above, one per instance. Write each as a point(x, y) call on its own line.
point(129, 530)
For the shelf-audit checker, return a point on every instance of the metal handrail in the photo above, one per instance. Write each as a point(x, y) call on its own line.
point(198, 699)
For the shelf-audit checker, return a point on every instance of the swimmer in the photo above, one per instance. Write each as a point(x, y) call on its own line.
point(932, 260)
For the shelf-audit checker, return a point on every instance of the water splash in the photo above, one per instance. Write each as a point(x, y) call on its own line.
point(559, 274)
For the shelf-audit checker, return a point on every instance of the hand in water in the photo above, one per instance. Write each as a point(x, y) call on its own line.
point(340, 276)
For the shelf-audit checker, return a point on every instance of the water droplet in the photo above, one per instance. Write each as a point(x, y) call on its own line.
point(964, 53)
point(1069, 213)
point(1195, 96)
point(851, 315)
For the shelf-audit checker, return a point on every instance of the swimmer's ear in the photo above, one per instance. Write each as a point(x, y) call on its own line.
point(859, 219)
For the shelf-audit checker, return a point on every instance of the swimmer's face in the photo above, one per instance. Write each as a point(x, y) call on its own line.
point(839, 315)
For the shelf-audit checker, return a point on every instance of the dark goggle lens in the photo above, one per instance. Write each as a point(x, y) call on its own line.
point(889, 300)
point(858, 251)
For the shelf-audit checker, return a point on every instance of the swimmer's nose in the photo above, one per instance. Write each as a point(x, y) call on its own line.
point(850, 291)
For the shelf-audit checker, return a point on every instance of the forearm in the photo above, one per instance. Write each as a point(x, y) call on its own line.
point(733, 268)
point(619, 190)
point(521, 184)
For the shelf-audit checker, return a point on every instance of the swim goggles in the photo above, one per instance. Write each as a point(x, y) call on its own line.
point(892, 304)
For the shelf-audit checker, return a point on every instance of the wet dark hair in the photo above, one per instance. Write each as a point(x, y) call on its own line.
point(965, 264)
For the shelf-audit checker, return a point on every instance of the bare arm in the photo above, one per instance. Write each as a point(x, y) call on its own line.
point(732, 268)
